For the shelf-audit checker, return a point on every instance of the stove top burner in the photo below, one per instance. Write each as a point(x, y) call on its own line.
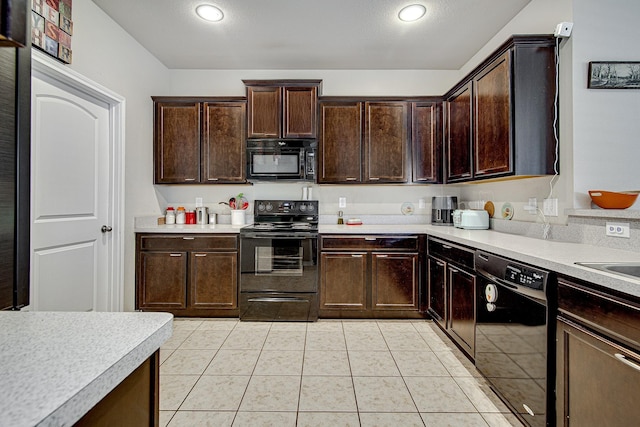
point(284, 215)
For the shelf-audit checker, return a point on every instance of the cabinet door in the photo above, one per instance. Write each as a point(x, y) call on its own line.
point(300, 112)
point(386, 141)
point(340, 148)
point(264, 115)
point(343, 281)
point(462, 308)
point(437, 290)
point(492, 118)
point(177, 142)
point(213, 280)
point(458, 135)
point(597, 380)
point(223, 142)
point(426, 141)
point(394, 281)
point(162, 280)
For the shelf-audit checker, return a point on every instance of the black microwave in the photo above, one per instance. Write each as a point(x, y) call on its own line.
point(279, 159)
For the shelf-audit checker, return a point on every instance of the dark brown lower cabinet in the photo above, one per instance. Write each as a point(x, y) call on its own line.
point(187, 275)
point(134, 402)
point(598, 358)
point(370, 276)
point(452, 292)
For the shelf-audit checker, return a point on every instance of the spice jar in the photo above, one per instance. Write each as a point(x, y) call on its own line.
point(170, 216)
point(180, 215)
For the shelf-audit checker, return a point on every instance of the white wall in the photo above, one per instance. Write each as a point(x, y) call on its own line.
point(606, 122)
point(105, 53)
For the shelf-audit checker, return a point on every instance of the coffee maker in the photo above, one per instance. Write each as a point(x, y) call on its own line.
point(442, 208)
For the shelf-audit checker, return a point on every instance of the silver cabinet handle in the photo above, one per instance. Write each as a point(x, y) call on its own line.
point(106, 229)
point(446, 246)
point(351, 178)
point(175, 255)
point(374, 179)
point(189, 179)
point(200, 254)
point(626, 361)
point(381, 256)
point(370, 239)
point(440, 264)
point(356, 255)
point(188, 238)
point(453, 270)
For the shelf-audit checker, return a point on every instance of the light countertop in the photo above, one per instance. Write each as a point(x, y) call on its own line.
point(552, 255)
point(55, 366)
point(556, 256)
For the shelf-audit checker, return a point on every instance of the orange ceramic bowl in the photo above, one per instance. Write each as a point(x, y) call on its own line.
point(612, 199)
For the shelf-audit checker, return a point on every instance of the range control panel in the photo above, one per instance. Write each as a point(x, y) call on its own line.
point(525, 276)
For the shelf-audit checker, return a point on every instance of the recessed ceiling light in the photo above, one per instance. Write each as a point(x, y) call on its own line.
point(209, 13)
point(412, 12)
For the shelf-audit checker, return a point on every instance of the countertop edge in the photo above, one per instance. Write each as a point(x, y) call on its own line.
point(76, 407)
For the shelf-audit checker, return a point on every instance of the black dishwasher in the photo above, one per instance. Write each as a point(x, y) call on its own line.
point(515, 337)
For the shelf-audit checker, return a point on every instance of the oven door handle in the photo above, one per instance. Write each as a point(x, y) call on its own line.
point(277, 299)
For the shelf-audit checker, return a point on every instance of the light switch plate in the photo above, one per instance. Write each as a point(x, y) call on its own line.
point(342, 202)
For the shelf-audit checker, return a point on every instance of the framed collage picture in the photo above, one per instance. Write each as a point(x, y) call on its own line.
point(52, 27)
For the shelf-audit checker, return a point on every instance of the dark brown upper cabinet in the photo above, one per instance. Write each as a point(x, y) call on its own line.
point(364, 141)
point(340, 145)
point(282, 108)
point(499, 119)
point(386, 142)
point(372, 141)
point(426, 142)
point(199, 141)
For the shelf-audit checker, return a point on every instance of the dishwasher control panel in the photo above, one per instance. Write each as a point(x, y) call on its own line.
point(525, 276)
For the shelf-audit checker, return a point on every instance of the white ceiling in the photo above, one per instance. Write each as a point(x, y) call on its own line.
point(313, 34)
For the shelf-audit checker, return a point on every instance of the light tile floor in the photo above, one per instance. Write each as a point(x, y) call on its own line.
point(223, 372)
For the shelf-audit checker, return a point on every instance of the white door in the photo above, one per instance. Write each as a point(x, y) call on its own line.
point(70, 199)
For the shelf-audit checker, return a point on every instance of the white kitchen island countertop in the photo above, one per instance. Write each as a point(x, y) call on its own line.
point(55, 366)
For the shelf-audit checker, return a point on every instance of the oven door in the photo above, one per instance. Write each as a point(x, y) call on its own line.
point(273, 262)
point(511, 349)
point(275, 163)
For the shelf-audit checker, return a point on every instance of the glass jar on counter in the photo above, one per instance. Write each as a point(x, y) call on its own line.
point(180, 215)
point(170, 216)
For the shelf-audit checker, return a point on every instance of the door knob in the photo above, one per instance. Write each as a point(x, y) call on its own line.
point(106, 229)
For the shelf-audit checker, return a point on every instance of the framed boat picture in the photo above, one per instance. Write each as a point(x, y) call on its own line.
point(614, 75)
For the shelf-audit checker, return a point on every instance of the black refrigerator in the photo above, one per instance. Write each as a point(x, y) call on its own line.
point(15, 128)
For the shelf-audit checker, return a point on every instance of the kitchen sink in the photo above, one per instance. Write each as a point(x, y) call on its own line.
point(631, 269)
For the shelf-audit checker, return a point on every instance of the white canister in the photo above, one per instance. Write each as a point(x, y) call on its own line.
point(237, 217)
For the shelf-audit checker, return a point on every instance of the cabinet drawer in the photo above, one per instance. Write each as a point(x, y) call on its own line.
point(459, 255)
point(188, 242)
point(369, 242)
point(608, 314)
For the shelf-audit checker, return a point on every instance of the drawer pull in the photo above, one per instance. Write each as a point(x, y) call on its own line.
point(454, 271)
point(189, 179)
point(440, 264)
point(381, 256)
point(349, 178)
point(188, 238)
point(175, 255)
point(356, 255)
point(628, 362)
point(446, 247)
point(374, 179)
point(201, 254)
point(370, 238)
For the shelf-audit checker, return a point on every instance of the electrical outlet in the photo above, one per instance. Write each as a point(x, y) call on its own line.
point(422, 204)
point(342, 202)
point(550, 207)
point(532, 207)
point(198, 202)
point(617, 229)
